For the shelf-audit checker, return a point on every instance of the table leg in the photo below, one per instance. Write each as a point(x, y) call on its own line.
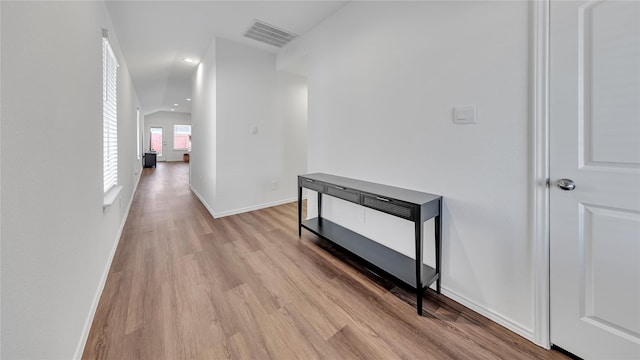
point(438, 241)
point(419, 289)
point(299, 211)
point(319, 205)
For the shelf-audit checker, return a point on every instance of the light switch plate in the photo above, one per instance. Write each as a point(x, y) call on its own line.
point(465, 115)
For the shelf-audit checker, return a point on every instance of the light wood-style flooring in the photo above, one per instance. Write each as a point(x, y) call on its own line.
point(186, 286)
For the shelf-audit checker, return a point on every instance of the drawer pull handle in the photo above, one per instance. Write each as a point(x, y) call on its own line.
point(340, 188)
point(382, 199)
point(309, 180)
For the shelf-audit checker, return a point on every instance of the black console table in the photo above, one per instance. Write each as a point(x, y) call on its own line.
point(414, 206)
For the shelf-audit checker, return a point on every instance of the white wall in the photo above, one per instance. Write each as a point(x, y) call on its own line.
point(249, 93)
point(291, 99)
point(57, 242)
point(202, 166)
point(0, 183)
point(248, 90)
point(166, 120)
point(383, 79)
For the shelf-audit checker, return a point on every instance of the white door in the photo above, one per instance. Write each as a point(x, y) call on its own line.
point(595, 141)
point(157, 142)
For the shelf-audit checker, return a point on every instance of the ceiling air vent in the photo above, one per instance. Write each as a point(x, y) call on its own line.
point(269, 34)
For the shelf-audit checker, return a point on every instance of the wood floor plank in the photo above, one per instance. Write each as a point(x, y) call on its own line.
point(248, 314)
point(351, 345)
point(309, 301)
point(238, 347)
point(184, 285)
point(282, 346)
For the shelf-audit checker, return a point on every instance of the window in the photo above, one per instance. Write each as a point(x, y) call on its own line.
point(182, 137)
point(109, 116)
point(139, 149)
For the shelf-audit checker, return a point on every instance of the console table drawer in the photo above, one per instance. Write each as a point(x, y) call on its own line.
point(312, 184)
point(389, 206)
point(343, 193)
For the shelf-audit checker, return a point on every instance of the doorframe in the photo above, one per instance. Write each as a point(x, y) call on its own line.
point(540, 191)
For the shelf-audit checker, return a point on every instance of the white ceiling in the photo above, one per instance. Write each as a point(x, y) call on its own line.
point(156, 36)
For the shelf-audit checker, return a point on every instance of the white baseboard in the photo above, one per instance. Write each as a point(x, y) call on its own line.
point(217, 215)
point(489, 314)
point(255, 207)
point(206, 205)
point(103, 280)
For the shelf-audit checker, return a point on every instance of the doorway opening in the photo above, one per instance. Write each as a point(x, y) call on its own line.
point(155, 140)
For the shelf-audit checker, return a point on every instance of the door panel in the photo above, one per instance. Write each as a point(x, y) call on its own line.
point(609, 33)
point(595, 141)
point(613, 305)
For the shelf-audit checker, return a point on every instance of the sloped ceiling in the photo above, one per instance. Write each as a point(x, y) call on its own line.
point(156, 37)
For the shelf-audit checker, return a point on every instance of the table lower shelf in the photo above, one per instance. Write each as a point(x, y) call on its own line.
point(378, 255)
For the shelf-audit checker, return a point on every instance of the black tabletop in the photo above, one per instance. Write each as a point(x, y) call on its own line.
point(406, 195)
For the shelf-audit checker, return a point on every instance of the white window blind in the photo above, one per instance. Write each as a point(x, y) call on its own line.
point(109, 115)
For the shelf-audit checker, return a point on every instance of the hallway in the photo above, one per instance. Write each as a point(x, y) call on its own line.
point(186, 286)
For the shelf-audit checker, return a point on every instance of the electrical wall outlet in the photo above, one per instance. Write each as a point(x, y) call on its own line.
point(274, 185)
point(465, 115)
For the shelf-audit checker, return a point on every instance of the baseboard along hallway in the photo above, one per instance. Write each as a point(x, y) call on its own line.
point(183, 285)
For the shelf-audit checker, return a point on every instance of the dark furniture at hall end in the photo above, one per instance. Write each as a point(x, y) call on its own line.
point(149, 160)
point(410, 205)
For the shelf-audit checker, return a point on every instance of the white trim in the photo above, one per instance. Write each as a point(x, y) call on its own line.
point(111, 196)
point(255, 207)
point(488, 313)
point(103, 280)
point(0, 195)
point(241, 210)
point(519, 329)
point(539, 194)
point(206, 205)
point(138, 175)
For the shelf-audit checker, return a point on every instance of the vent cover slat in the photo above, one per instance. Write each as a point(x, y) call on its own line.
point(269, 34)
